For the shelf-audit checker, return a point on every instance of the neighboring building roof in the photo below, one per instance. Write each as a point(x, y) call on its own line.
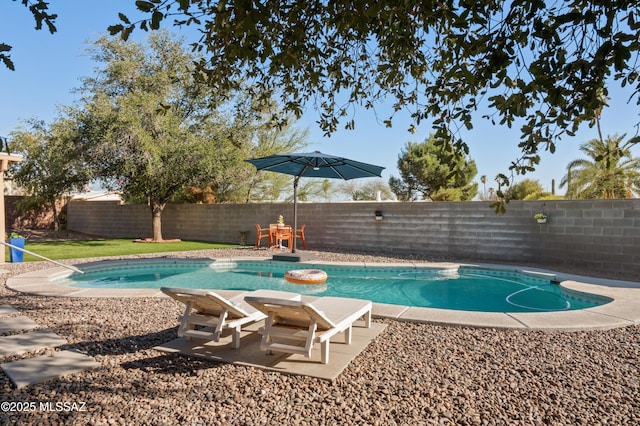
point(97, 196)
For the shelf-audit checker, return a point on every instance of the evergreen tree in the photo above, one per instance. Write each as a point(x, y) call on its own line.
point(435, 171)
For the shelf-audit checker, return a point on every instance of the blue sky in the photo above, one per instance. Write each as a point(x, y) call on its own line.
point(49, 67)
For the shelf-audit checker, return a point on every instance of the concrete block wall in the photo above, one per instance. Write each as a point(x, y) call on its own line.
point(601, 234)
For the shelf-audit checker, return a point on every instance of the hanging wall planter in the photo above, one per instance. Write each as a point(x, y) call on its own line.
point(378, 214)
point(540, 217)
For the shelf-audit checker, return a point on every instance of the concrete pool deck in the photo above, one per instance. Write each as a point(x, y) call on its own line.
point(623, 311)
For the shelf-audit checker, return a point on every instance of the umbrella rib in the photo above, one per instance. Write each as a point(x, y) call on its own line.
point(332, 166)
point(362, 169)
point(283, 161)
point(337, 172)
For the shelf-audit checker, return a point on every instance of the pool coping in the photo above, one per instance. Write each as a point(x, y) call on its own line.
point(623, 311)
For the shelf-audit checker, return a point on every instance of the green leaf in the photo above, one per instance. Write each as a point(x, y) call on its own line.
point(124, 18)
point(7, 62)
point(126, 33)
point(184, 5)
point(498, 206)
point(156, 18)
point(144, 6)
point(115, 29)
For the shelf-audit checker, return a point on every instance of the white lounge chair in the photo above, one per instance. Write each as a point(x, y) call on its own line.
point(294, 326)
point(216, 313)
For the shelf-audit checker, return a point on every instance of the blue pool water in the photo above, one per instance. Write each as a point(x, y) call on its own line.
point(457, 288)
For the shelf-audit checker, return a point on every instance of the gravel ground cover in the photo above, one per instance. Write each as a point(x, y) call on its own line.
point(412, 374)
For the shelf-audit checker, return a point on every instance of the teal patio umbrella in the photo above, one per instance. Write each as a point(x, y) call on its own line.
point(314, 164)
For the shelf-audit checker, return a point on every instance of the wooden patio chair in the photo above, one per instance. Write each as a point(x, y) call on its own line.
point(300, 234)
point(262, 233)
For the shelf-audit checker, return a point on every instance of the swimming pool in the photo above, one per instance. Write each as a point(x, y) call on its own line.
point(455, 288)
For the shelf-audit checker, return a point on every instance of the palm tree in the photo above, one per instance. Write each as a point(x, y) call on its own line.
point(610, 172)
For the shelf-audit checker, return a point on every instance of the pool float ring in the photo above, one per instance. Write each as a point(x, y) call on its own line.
point(306, 276)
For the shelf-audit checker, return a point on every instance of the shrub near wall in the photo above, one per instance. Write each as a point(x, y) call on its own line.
point(600, 234)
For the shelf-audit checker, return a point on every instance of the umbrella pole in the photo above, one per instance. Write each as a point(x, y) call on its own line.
point(295, 212)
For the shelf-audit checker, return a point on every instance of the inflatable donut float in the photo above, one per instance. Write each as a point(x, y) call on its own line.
point(306, 276)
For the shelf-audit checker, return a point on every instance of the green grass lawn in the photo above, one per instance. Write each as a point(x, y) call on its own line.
point(57, 250)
